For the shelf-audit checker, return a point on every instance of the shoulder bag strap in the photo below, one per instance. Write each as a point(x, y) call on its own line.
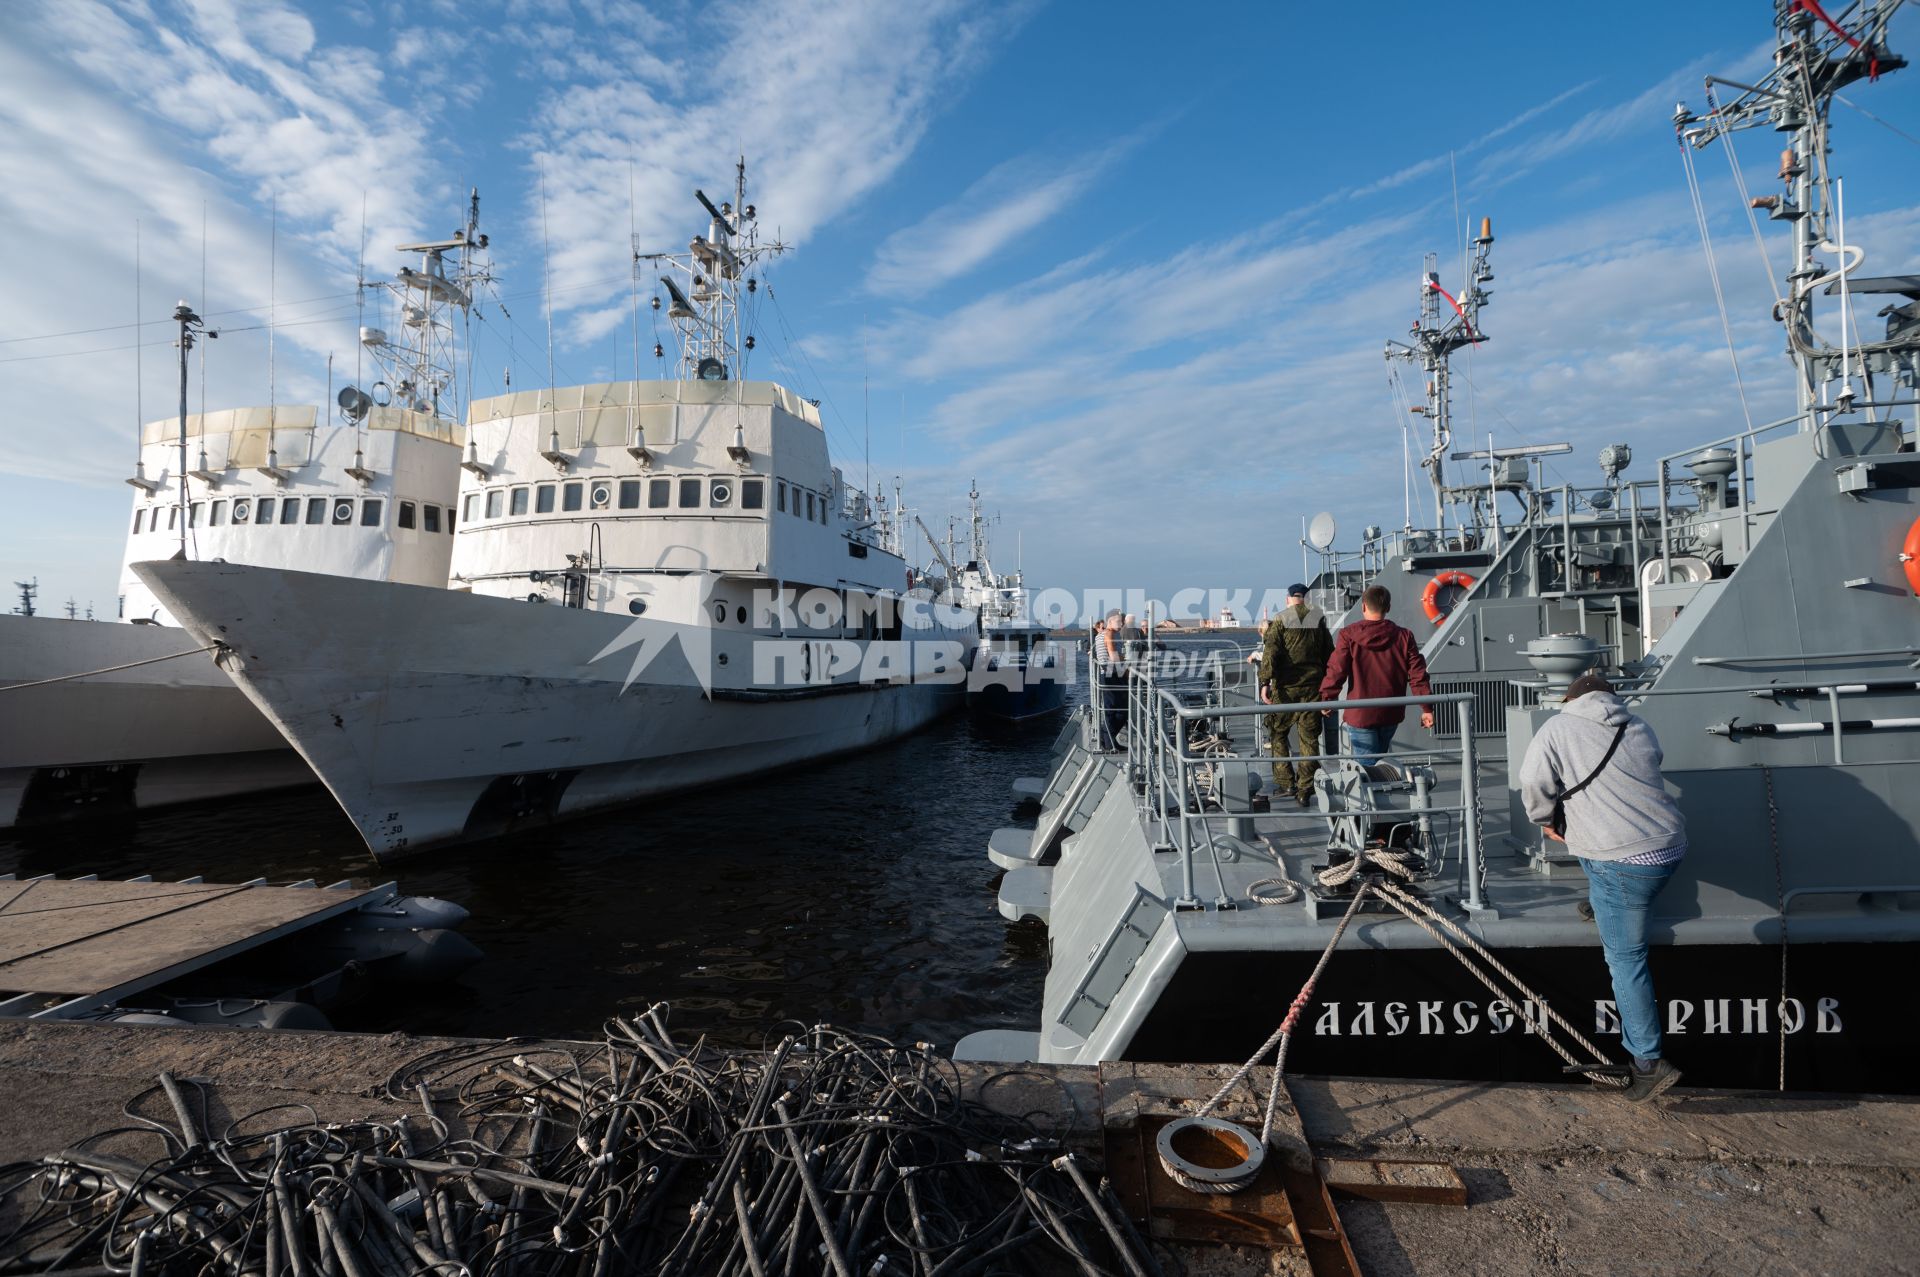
point(1594, 775)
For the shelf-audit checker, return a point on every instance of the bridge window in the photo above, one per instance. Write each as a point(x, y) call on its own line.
point(316, 509)
point(290, 510)
point(753, 494)
point(217, 514)
point(173, 518)
point(629, 494)
point(429, 515)
point(470, 506)
point(543, 499)
point(518, 504)
point(370, 513)
point(570, 496)
point(689, 494)
point(449, 520)
point(137, 515)
point(496, 502)
point(264, 515)
point(809, 507)
point(193, 515)
point(659, 493)
point(406, 514)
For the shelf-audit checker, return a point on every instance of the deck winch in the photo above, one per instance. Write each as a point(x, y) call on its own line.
point(1383, 805)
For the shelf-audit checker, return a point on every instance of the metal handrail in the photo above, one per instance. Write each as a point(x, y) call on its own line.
point(1164, 766)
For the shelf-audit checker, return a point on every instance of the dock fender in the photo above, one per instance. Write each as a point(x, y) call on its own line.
point(1910, 556)
point(1430, 597)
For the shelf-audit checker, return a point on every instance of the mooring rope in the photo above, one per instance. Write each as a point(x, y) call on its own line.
point(1445, 932)
point(111, 669)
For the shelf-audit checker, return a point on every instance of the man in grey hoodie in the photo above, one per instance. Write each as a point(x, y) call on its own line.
point(1598, 766)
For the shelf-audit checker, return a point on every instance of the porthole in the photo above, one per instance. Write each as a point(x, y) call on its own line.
point(600, 496)
point(720, 612)
point(343, 512)
point(637, 606)
point(740, 614)
point(720, 494)
point(242, 510)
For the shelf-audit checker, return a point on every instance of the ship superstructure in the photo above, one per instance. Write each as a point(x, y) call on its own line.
point(1769, 588)
point(1018, 671)
point(654, 585)
point(136, 715)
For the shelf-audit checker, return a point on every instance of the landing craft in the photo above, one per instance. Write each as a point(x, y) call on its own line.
point(1754, 602)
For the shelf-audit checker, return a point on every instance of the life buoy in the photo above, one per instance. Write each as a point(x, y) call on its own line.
point(1910, 557)
point(1430, 597)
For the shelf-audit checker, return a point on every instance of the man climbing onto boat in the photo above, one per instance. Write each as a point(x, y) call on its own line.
point(1293, 659)
point(1373, 659)
point(1591, 780)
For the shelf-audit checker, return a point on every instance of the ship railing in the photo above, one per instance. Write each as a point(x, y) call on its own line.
point(1165, 770)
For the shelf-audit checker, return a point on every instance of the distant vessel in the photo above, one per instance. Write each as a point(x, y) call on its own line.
point(1019, 672)
point(1755, 603)
point(656, 584)
point(112, 717)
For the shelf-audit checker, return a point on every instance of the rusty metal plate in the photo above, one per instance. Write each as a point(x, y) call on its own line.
point(1259, 1215)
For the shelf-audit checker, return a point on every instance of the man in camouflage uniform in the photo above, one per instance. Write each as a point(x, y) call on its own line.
point(1293, 658)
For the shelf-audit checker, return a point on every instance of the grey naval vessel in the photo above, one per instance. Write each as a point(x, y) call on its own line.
point(1019, 673)
point(1755, 600)
point(655, 584)
point(106, 718)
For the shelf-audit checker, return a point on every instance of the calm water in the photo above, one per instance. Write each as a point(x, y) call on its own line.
point(856, 892)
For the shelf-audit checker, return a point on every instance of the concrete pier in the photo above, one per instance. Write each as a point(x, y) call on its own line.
point(1559, 1179)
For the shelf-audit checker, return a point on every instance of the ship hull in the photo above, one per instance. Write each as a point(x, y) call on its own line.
point(1015, 704)
point(1417, 1013)
point(436, 716)
point(172, 730)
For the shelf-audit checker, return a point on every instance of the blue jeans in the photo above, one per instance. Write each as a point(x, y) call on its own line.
point(1621, 896)
point(1368, 744)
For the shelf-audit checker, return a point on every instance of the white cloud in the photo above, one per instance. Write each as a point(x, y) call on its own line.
point(1009, 201)
point(823, 103)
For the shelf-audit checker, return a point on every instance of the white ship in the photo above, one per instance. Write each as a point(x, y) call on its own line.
point(106, 717)
point(1018, 672)
point(655, 585)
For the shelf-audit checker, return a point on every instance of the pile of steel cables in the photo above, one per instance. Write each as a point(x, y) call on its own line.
point(828, 1152)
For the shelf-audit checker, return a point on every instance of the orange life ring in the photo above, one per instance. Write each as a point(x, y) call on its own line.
point(1430, 597)
point(1910, 557)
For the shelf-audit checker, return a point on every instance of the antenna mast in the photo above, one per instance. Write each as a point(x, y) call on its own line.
point(1814, 59)
point(703, 285)
point(1431, 343)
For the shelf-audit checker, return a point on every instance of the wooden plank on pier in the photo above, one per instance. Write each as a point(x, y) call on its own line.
point(75, 939)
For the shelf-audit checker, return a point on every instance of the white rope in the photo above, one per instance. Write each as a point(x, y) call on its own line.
point(1746, 202)
point(1407, 904)
point(1713, 272)
point(111, 669)
point(1285, 889)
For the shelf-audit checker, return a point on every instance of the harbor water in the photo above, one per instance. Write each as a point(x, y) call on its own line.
point(855, 892)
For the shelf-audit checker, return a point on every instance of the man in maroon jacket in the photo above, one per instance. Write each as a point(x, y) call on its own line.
point(1375, 658)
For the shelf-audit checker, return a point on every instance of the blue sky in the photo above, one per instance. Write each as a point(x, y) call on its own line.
point(1131, 267)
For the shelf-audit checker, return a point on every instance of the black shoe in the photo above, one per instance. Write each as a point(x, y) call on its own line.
point(1654, 1081)
point(1305, 800)
point(1585, 909)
